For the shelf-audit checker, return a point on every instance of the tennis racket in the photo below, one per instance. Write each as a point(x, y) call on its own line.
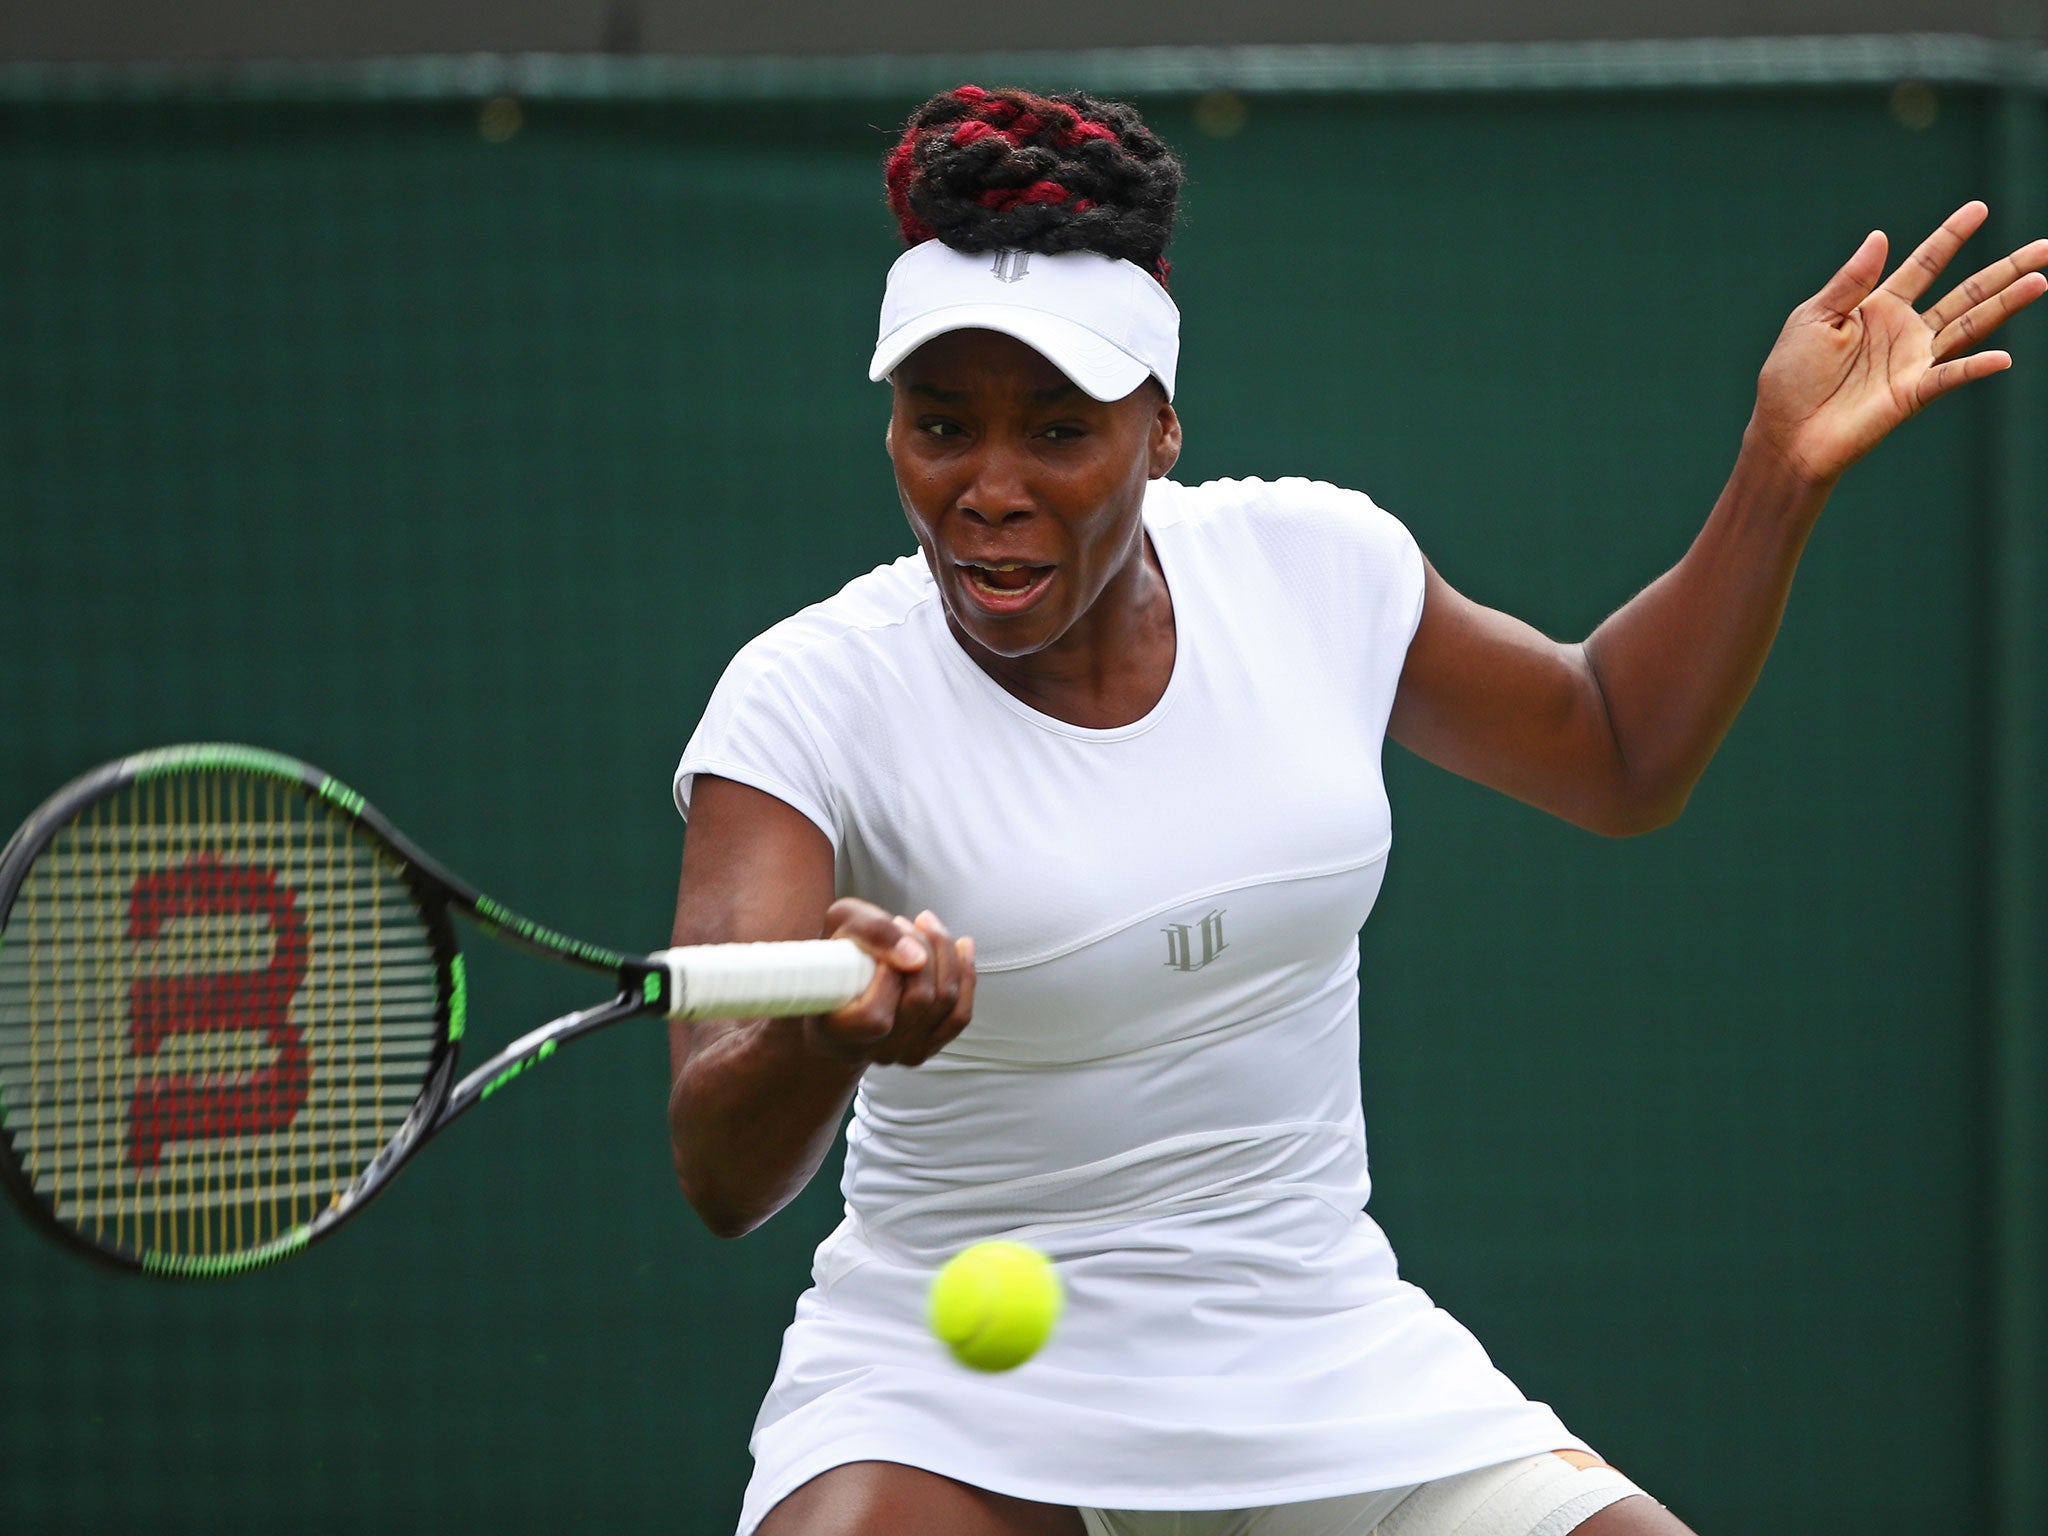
point(231, 1005)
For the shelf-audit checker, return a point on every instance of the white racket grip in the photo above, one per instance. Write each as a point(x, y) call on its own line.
point(782, 980)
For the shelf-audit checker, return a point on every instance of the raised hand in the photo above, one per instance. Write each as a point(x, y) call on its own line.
point(1857, 359)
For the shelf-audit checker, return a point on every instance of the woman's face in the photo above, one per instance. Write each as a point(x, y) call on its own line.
point(1023, 490)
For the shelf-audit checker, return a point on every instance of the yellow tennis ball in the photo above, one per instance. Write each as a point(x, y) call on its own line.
point(994, 1304)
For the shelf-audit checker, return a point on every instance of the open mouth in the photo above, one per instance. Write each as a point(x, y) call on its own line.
point(1005, 587)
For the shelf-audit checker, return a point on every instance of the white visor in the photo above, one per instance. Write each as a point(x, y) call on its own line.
point(1101, 321)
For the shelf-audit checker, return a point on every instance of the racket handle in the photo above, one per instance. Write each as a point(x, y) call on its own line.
point(734, 981)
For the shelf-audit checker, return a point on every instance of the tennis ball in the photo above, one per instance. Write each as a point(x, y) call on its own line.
point(994, 1304)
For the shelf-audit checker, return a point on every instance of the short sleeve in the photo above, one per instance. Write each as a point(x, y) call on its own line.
point(757, 731)
point(1352, 571)
point(1409, 581)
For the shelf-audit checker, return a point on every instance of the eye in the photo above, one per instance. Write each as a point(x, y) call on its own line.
point(1066, 431)
point(938, 426)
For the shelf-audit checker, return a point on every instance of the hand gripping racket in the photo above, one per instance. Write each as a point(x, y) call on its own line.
point(231, 1004)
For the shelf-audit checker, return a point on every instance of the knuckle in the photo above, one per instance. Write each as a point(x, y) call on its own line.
point(865, 1026)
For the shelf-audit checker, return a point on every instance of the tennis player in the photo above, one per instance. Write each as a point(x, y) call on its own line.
point(1126, 733)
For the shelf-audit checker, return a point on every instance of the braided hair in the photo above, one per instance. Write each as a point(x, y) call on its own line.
point(1007, 170)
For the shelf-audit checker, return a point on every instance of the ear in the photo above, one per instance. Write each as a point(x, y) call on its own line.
point(1165, 446)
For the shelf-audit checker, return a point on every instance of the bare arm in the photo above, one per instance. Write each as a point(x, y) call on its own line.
point(1613, 733)
point(754, 1104)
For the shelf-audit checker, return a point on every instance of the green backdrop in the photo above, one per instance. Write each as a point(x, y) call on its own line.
point(456, 451)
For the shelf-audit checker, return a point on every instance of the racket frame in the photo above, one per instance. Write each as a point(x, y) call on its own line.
point(644, 987)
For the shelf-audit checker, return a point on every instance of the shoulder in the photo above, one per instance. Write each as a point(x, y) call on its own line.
point(792, 703)
point(1311, 533)
point(830, 644)
point(1274, 511)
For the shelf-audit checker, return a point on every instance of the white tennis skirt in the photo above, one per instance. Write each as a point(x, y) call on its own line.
point(1264, 1352)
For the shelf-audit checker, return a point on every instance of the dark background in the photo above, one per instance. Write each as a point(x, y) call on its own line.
point(453, 442)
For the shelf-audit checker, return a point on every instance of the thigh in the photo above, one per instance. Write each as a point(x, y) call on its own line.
point(1638, 1516)
point(885, 1498)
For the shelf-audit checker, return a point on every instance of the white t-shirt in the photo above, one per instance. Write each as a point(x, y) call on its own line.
point(1160, 1085)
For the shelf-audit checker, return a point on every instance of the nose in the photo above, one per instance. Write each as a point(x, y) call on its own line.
point(996, 490)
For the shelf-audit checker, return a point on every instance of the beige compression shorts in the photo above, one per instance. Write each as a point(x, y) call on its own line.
point(1546, 1495)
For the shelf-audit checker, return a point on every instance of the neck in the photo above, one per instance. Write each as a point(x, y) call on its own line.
point(1112, 665)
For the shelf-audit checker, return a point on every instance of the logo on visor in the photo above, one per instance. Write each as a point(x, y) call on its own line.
point(1011, 266)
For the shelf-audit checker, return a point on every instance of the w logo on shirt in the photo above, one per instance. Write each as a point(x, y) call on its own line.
point(1190, 946)
point(1011, 266)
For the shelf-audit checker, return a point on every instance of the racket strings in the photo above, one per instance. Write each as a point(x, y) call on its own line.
point(218, 1001)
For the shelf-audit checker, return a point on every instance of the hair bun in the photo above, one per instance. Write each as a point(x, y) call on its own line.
point(1004, 169)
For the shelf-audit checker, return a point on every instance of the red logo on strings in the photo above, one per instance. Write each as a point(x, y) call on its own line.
point(184, 1107)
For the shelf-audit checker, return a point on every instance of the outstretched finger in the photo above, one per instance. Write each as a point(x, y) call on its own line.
point(1921, 268)
point(1852, 285)
point(1940, 380)
point(1973, 291)
point(1971, 327)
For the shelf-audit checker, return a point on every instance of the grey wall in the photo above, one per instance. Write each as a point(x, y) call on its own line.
point(236, 29)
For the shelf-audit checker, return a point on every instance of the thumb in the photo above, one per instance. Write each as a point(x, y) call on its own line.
point(1852, 285)
point(893, 940)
